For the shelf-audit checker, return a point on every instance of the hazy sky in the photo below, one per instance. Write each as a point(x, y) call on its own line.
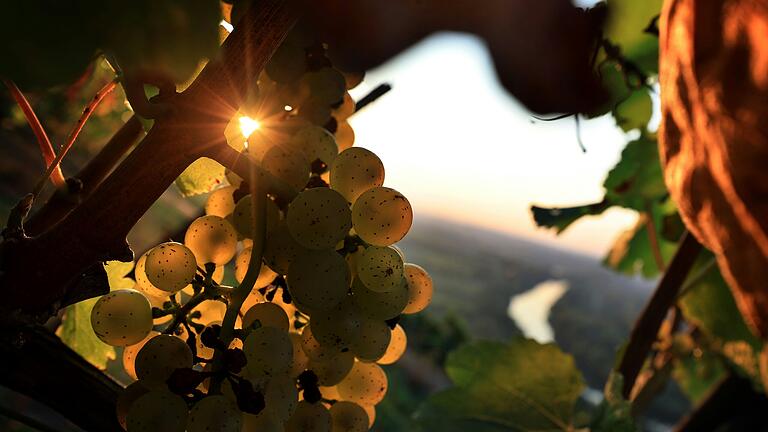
point(458, 146)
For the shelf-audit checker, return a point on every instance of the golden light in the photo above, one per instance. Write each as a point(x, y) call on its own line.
point(248, 125)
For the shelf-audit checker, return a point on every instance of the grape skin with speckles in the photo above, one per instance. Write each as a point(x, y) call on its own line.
point(371, 341)
point(266, 274)
point(269, 351)
point(159, 357)
point(382, 216)
point(319, 279)
point(157, 411)
point(125, 399)
point(348, 417)
point(319, 218)
point(365, 384)
point(419, 288)
point(316, 143)
point(122, 317)
point(380, 268)
point(337, 327)
point(332, 370)
point(214, 414)
point(345, 135)
point(290, 167)
point(309, 418)
point(170, 266)
point(355, 171)
point(212, 240)
point(268, 314)
point(281, 249)
point(130, 352)
point(382, 305)
point(241, 216)
point(396, 348)
point(221, 202)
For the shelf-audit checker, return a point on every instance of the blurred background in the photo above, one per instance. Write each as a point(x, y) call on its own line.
point(472, 161)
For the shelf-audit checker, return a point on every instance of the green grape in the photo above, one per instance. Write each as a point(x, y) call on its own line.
point(212, 239)
point(170, 266)
point(309, 418)
point(315, 111)
point(355, 171)
point(371, 341)
point(122, 317)
point(380, 268)
point(419, 288)
point(319, 279)
point(345, 135)
point(313, 349)
point(268, 350)
point(346, 109)
point(319, 218)
point(268, 314)
point(365, 384)
point(380, 305)
point(290, 167)
point(130, 352)
point(370, 410)
point(348, 417)
point(214, 413)
point(337, 327)
point(281, 397)
point(326, 85)
point(382, 216)
point(316, 143)
point(266, 274)
point(125, 399)
point(241, 216)
point(263, 422)
point(159, 357)
point(300, 358)
point(281, 249)
point(397, 345)
point(158, 410)
point(144, 285)
point(399, 251)
point(332, 370)
point(210, 311)
point(221, 202)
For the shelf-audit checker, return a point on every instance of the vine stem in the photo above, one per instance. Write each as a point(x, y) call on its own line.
point(87, 111)
point(646, 328)
point(653, 239)
point(46, 148)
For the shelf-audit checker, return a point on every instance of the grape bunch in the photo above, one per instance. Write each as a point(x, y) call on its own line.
point(316, 302)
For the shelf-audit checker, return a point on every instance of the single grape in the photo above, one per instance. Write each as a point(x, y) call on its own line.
point(380, 268)
point(125, 399)
point(157, 411)
point(419, 288)
point(370, 410)
point(337, 327)
point(315, 111)
point(345, 136)
point(399, 251)
point(212, 240)
point(319, 279)
point(269, 350)
point(268, 314)
point(348, 417)
point(309, 418)
point(382, 216)
point(326, 85)
point(316, 143)
point(353, 79)
point(122, 317)
point(300, 358)
point(355, 171)
point(365, 384)
point(371, 341)
point(159, 357)
point(266, 274)
point(214, 413)
point(396, 348)
point(170, 266)
point(144, 285)
point(313, 349)
point(330, 393)
point(332, 370)
point(290, 167)
point(380, 305)
point(241, 216)
point(319, 218)
point(130, 352)
point(280, 249)
point(346, 109)
point(281, 397)
point(221, 202)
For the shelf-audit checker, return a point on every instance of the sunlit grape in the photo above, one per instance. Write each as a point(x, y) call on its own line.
point(419, 288)
point(313, 349)
point(349, 417)
point(159, 357)
point(319, 279)
point(345, 136)
point(370, 410)
point(382, 305)
point(281, 249)
point(158, 411)
point(371, 341)
point(214, 413)
point(337, 327)
point(346, 109)
point(266, 274)
point(396, 348)
point(130, 352)
point(316, 143)
point(332, 370)
point(382, 216)
point(142, 281)
point(220, 202)
point(212, 240)
point(290, 167)
point(380, 268)
point(319, 218)
point(355, 171)
point(365, 384)
point(170, 266)
point(122, 317)
point(309, 418)
point(241, 216)
point(268, 350)
point(268, 314)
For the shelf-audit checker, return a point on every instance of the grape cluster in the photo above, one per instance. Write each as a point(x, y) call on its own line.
point(320, 318)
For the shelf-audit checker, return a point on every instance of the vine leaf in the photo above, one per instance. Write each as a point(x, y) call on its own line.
point(614, 414)
point(521, 385)
point(203, 176)
point(626, 26)
point(562, 218)
point(636, 179)
point(634, 112)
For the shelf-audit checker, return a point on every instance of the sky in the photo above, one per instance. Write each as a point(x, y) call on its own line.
point(460, 147)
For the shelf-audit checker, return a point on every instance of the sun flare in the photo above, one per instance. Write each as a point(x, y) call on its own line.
point(248, 125)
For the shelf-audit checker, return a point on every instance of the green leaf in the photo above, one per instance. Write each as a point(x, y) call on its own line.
point(116, 274)
point(522, 385)
point(203, 176)
point(637, 180)
point(562, 218)
point(696, 374)
point(614, 414)
point(77, 333)
point(634, 112)
point(626, 26)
